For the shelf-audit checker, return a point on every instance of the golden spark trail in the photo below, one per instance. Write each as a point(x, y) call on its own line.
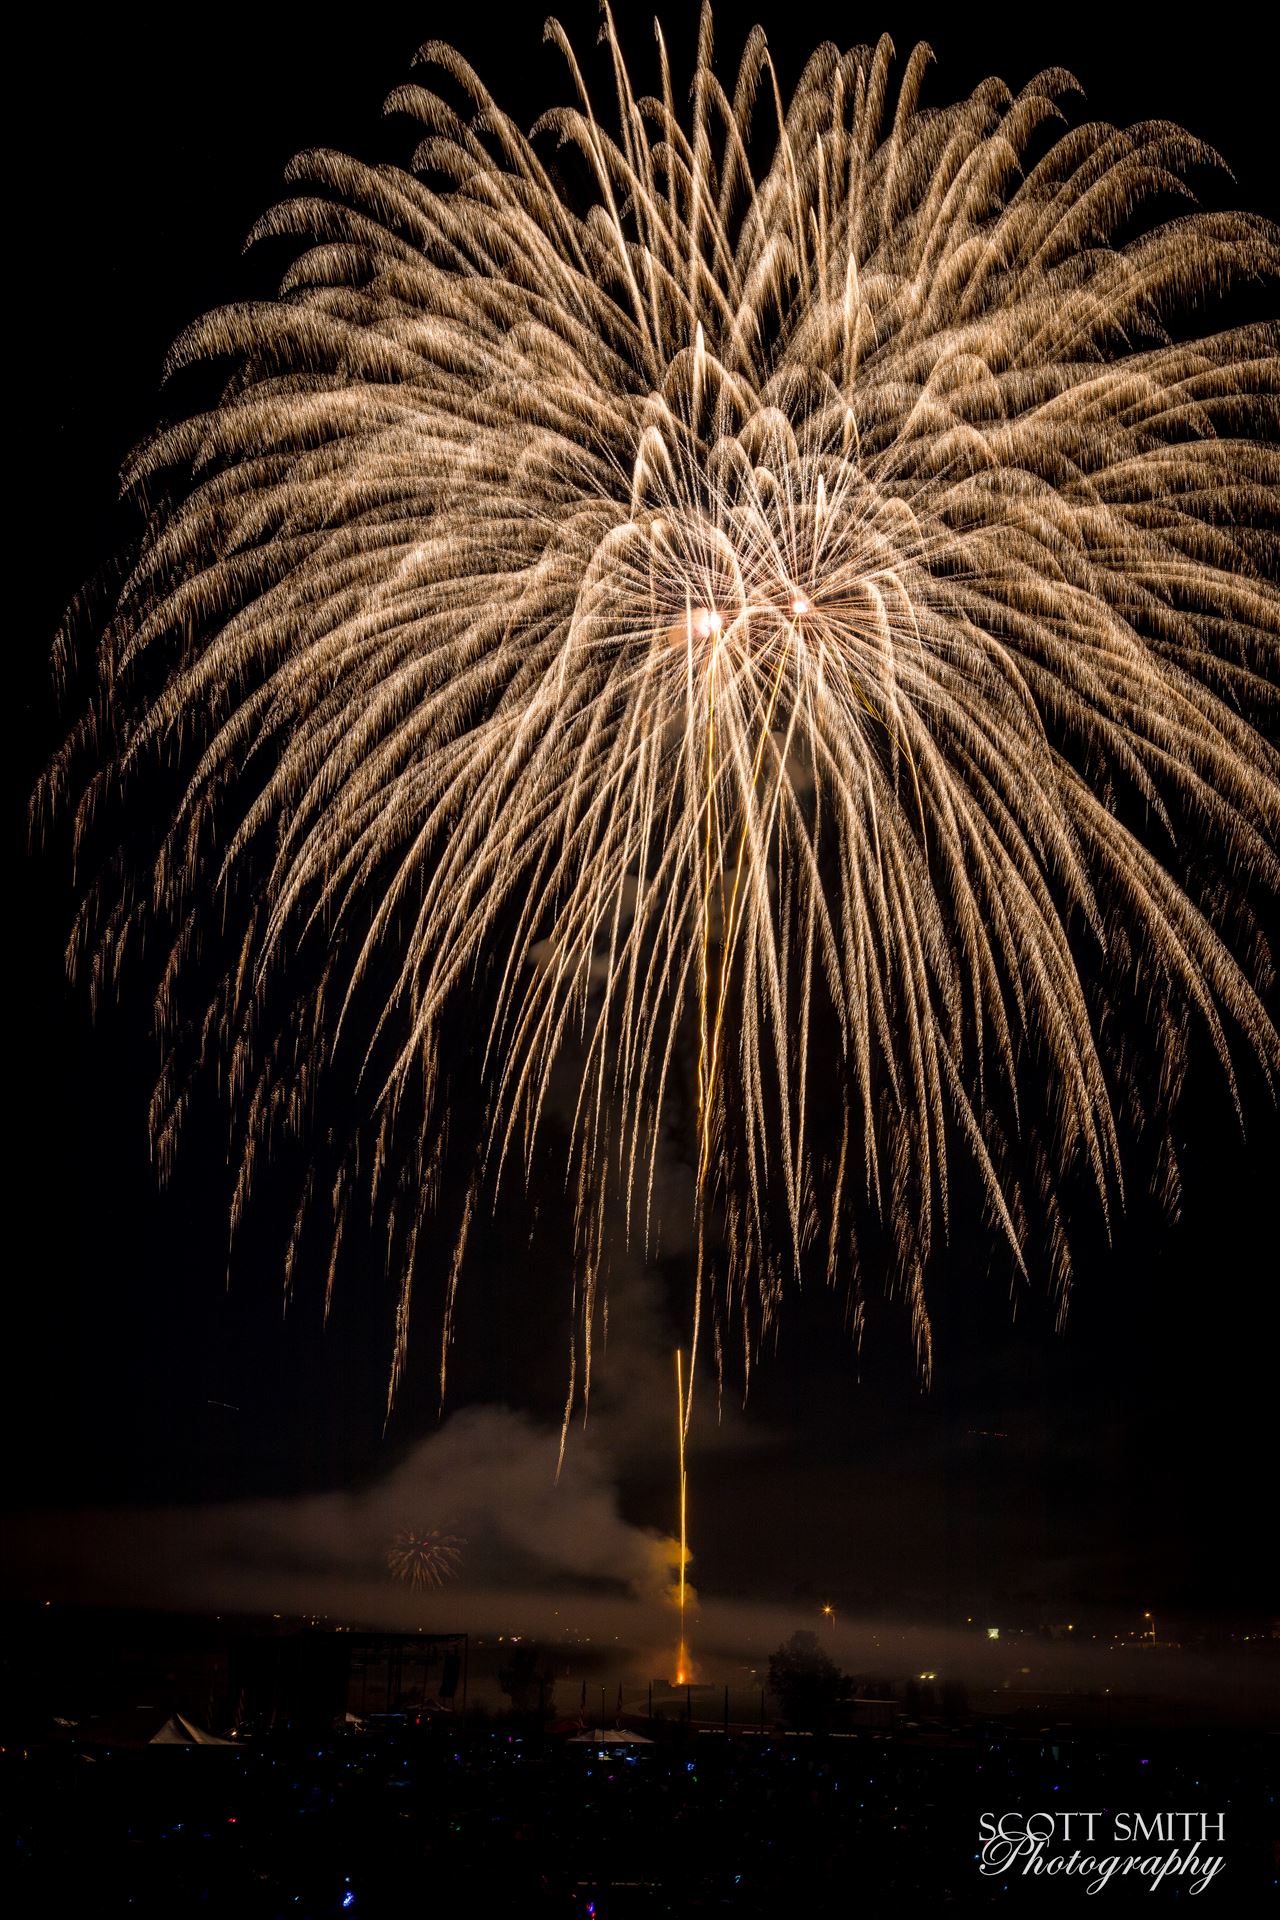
point(726, 954)
point(705, 1071)
point(682, 1658)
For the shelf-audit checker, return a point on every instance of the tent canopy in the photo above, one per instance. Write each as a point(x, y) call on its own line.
point(178, 1731)
point(611, 1737)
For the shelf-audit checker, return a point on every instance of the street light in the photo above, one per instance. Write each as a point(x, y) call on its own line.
point(1147, 1616)
point(830, 1614)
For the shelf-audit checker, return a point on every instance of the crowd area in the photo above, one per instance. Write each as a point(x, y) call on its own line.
point(496, 1818)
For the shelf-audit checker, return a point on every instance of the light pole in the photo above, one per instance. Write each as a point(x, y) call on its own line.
point(829, 1613)
point(1147, 1616)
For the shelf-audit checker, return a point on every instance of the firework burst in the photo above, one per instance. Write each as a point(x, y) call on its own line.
point(425, 1558)
point(791, 638)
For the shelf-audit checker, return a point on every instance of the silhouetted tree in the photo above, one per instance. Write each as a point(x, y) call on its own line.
point(527, 1680)
point(806, 1681)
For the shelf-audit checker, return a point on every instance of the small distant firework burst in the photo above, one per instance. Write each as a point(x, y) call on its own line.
point(815, 621)
point(425, 1558)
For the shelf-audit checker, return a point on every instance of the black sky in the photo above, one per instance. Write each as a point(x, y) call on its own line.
point(1133, 1443)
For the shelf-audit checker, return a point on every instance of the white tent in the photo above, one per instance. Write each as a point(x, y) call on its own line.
point(614, 1737)
point(178, 1731)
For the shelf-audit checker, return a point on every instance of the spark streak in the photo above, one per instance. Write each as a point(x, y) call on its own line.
point(682, 1657)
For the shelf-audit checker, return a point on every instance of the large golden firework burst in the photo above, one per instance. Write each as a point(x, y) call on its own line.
point(800, 629)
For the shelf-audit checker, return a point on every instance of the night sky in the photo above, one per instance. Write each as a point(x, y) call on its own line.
point(1120, 1461)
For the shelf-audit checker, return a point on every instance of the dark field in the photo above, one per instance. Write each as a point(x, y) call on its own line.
point(445, 1817)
